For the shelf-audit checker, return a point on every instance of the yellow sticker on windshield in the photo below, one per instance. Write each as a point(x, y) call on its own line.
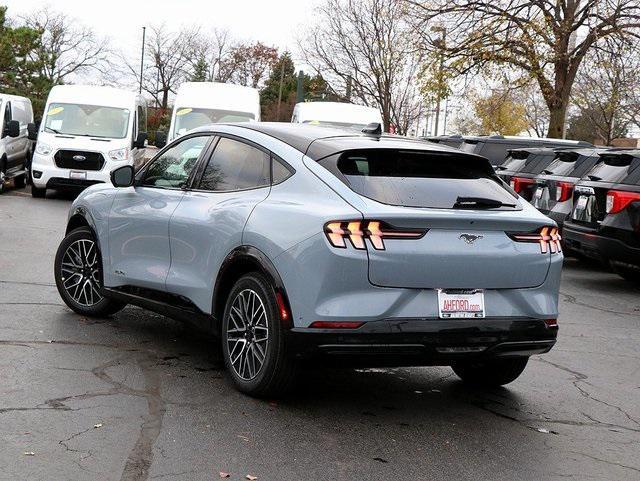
point(55, 110)
point(315, 122)
point(183, 112)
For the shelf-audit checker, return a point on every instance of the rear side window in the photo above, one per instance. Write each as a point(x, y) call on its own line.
point(236, 166)
point(417, 178)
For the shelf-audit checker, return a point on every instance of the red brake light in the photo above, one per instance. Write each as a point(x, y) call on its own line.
point(548, 238)
point(336, 324)
point(374, 230)
point(618, 200)
point(551, 322)
point(520, 183)
point(564, 190)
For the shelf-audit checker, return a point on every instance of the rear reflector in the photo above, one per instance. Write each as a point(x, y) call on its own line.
point(551, 322)
point(618, 200)
point(336, 324)
point(282, 308)
point(547, 237)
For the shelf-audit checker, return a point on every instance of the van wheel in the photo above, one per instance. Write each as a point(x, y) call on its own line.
point(628, 272)
point(253, 339)
point(3, 169)
point(494, 372)
point(37, 192)
point(20, 181)
point(78, 274)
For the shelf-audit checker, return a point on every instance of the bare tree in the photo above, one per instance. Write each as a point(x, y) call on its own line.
point(67, 47)
point(547, 39)
point(368, 45)
point(167, 61)
point(212, 53)
point(607, 90)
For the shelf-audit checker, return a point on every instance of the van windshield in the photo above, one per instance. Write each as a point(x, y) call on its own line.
point(190, 118)
point(87, 120)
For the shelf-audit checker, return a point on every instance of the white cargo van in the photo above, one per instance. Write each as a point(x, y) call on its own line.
point(86, 132)
point(203, 103)
point(336, 114)
point(15, 146)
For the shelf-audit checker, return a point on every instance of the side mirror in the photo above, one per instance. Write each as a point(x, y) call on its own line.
point(122, 176)
point(161, 139)
point(32, 131)
point(13, 128)
point(139, 142)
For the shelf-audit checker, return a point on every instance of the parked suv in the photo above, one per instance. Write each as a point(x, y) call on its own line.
point(15, 146)
point(605, 220)
point(296, 242)
point(522, 166)
point(553, 195)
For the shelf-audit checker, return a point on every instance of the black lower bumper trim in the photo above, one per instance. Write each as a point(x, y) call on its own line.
point(62, 183)
point(600, 247)
point(422, 342)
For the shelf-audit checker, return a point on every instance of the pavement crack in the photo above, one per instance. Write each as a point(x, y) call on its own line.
point(611, 463)
point(573, 300)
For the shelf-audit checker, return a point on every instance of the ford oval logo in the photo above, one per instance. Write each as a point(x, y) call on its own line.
point(79, 158)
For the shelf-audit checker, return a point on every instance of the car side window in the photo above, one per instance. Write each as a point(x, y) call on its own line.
point(6, 119)
point(279, 172)
point(173, 167)
point(235, 166)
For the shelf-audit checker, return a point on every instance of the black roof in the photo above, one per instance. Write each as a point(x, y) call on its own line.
point(318, 142)
point(531, 141)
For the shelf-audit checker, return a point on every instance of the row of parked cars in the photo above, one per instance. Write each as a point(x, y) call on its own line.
point(593, 193)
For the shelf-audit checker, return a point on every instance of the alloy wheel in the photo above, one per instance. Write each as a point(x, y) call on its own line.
point(81, 272)
point(247, 334)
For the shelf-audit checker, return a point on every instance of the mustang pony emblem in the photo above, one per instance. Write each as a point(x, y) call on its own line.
point(470, 238)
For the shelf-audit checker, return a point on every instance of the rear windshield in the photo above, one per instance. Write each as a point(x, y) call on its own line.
point(621, 169)
point(412, 178)
point(538, 162)
point(515, 161)
point(571, 164)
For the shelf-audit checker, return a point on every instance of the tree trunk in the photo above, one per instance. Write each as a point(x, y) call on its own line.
point(557, 118)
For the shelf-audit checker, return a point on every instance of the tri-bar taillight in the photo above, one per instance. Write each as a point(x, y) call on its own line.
point(618, 200)
point(358, 231)
point(564, 191)
point(547, 237)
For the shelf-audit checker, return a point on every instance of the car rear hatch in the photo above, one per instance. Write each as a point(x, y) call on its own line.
point(557, 180)
point(590, 194)
point(442, 220)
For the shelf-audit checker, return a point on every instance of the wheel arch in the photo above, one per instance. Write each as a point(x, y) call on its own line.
point(80, 217)
point(241, 261)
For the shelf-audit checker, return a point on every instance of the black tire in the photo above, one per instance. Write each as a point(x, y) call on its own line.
point(628, 272)
point(20, 181)
point(95, 305)
point(37, 192)
point(276, 375)
point(494, 372)
point(3, 169)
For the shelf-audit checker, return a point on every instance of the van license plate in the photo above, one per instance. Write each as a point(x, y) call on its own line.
point(77, 175)
point(460, 304)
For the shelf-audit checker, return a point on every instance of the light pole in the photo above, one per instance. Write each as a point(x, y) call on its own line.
point(144, 31)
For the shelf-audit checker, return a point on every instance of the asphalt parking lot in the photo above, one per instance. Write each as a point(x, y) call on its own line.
point(139, 396)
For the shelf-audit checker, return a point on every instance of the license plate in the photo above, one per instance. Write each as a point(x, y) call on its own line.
point(581, 205)
point(77, 175)
point(537, 196)
point(465, 304)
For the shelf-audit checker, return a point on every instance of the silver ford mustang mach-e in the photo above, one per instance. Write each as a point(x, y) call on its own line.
point(298, 243)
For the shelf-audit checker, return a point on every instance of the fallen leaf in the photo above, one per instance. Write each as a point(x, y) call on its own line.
point(250, 477)
point(29, 453)
point(224, 475)
point(542, 430)
point(96, 426)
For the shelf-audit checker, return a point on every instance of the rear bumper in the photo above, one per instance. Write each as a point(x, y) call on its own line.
point(423, 342)
point(594, 245)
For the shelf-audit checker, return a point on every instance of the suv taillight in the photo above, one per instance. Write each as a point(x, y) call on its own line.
point(520, 183)
point(357, 232)
point(618, 200)
point(547, 237)
point(564, 191)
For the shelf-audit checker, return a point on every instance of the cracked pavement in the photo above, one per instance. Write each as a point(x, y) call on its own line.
point(164, 409)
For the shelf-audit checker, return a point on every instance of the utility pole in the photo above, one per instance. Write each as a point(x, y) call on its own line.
point(144, 31)
point(280, 91)
point(300, 87)
point(441, 44)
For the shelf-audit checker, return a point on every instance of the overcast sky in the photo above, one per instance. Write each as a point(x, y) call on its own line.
point(274, 22)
